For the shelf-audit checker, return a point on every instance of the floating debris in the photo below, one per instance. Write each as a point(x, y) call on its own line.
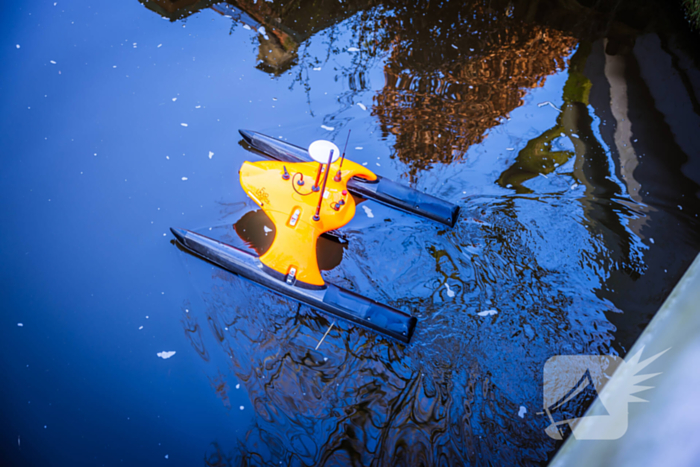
point(329, 128)
point(368, 211)
point(522, 411)
point(166, 355)
point(487, 313)
point(350, 49)
point(318, 68)
point(22, 324)
point(542, 104)
point(361, 105)
point(184, 179)
point(450, 292)
point(211, 154)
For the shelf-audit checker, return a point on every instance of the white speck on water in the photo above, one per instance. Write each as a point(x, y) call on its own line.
point(242, 407)
point(454, 46)
point(368, 211)
point(114, 66)
point(183, 124)
point(95, 154)
point(266, 229)
point(318, 68)
point(140, 327)
point(146, 316)
point(262, 32)
point(167, 157)
point(353, 49)
point(166, 456)
point(44, 427)
point(245, 26)
point(362, 106)
point(211, 154)
point(522, 411)
point(20, 324)
point(364, 163)
point(450, 292)
point(487, 313)
point(18, 44)
point(542, 104)
point(53, 62)
point(159, 46)
point(378, 164)
point(510, 149)
point(329, 128)
point(325, 359)
point(197, 106)
point(238, 386)
point(166, 355)
point(651, 240)
point(574, 186)
point(174, 99)
point(359, 148)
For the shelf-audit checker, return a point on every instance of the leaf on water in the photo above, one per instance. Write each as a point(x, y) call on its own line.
point(166, 355)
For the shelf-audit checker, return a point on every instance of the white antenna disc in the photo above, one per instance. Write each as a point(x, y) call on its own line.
point(321, 149)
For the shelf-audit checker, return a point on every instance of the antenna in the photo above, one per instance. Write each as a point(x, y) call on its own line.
point(317, 216)
point(337, 176)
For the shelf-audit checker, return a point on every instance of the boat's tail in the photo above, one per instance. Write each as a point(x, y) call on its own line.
point(382, 190)
point(331, 299)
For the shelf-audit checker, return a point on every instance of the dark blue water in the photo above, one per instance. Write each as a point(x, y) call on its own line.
point(572, 150)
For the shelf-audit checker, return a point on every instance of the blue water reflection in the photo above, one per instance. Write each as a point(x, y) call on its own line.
point(577, 180)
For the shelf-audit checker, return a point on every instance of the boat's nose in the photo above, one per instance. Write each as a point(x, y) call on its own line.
point(179, 234)
point(247, 135)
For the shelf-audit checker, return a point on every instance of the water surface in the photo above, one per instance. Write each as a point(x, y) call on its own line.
point(568, 136)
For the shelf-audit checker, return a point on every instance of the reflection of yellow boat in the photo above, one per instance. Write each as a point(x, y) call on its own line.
point(305, 199)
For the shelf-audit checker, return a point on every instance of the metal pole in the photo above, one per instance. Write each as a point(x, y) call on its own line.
point(317, 216)
point(337, 176)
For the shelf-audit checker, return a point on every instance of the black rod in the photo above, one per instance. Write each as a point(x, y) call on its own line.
point(317, 216)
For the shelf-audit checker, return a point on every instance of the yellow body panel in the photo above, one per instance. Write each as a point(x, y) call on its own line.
point(294, 245)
